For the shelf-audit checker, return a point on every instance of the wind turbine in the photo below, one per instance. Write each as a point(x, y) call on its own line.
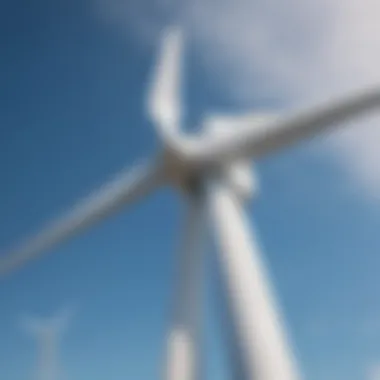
point(48, 333)
point(212, 169)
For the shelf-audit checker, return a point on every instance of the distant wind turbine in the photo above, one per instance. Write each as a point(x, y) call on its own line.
point(48, 333)
point(212, 169)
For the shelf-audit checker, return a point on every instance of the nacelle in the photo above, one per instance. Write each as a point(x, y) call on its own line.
point(239, 174)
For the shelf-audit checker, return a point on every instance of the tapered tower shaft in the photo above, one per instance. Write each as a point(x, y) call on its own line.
point(263, 351)
point(183, 345)
point(47, 356)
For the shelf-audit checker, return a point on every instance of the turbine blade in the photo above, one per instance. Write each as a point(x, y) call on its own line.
point(127, 187)
point(57, 323)
point(31, 325)
point(61, 320)
point(228, 124)
point(164, 99)
point(279, 134)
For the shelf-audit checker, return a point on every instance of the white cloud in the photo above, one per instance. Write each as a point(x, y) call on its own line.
point(136, 18)
point(374, 372)
point(298, 50)
point(304, 51)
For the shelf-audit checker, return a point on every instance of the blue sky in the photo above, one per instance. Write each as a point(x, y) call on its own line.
point(72, 114)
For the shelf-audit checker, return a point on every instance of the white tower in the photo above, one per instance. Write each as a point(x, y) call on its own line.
point(48, 333)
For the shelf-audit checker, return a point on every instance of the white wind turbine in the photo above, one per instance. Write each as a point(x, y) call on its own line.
point(212, 170)
point(48, 333)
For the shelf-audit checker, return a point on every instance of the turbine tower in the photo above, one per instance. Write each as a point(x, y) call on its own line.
point(212, 170)
point(48, 333)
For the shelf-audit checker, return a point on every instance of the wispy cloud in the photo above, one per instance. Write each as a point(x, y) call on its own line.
point(292, 50)
point(374, 372)
point(301, 51)
point(141, 19)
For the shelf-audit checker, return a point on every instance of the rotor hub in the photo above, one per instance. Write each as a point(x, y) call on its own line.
point(238, 175)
